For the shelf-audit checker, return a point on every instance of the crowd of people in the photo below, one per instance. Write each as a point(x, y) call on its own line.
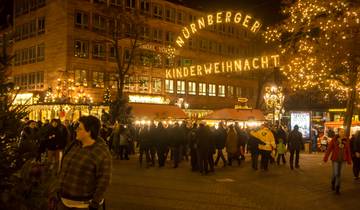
point(158, 144)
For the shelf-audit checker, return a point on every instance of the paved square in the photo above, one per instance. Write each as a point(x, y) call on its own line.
point(231, 188)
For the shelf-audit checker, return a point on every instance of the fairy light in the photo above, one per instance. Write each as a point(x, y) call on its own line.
point(315, 40)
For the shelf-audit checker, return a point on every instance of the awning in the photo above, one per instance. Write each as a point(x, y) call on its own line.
point(236, 115)
point(156, 111)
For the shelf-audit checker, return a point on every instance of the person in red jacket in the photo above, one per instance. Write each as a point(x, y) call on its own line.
point(340, 152)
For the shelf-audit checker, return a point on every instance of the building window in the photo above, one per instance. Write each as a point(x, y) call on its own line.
point(81, 19)
point(113, 81)
point(98, 51)
point(130, 4)
point(157, 35)
point(32, 54)
point(169, 37)
point(230, 91)
point(81, 49)
point(170, 14)
point(117, 3)
point(143, 84)
point(221, 91)
point(41, 3)
point(112, 52)
point(41, 25)
point(202, 89)
point(39, 81)
point(80, 77)
point(145, 6)
point(32, 28)
point(157, 11)
point(98, 79)
point(169, 86)
point(212, 90)
point(156, 85)
point(99, 1)
point(180, 87)
point(238, 91)
point(17, 35)
point(192, 88)
point(180, 17)
point(40, 52)
point(25, 56)
point(203, 44)
point(25, 31)
point(99, 23)
point(127, 54)
point(129, 84)
point(145, 33)
point(17, 58)
point(169, 62)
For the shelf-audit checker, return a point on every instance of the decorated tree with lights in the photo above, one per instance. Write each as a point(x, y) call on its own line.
point(318, 41)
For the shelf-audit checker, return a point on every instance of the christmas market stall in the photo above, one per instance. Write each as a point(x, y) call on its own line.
point(245, 117)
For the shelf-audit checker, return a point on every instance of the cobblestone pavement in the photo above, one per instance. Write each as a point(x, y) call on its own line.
point(231, 188)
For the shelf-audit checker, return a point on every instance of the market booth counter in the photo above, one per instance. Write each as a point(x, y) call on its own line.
point(157, 112)
point(245, 117)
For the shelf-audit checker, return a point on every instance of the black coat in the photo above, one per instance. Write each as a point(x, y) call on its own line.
point(220, 138)
point(295, 140)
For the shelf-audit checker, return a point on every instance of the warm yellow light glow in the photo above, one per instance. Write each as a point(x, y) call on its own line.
point(148, 99)
point(218, 18)
point(238, 65)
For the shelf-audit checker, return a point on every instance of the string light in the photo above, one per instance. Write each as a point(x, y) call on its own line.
point(317, 42)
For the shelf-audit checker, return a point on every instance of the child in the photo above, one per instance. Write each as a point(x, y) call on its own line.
point(281, 150)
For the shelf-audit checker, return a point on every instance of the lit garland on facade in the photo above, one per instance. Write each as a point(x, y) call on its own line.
point(318, 41)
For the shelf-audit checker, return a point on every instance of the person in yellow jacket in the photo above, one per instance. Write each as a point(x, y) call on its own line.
point(265, 135)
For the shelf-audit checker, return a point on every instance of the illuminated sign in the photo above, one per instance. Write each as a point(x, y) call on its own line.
point(303, 120)
point(337, 110)
point(148, 99)
point(23, 98)
point(244, 20)
point(238, 65)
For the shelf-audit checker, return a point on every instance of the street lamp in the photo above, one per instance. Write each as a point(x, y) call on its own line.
point(274, 99)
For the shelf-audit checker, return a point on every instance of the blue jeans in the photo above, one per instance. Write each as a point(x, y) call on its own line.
point(336, 169)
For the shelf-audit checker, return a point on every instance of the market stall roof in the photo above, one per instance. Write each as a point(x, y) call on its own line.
point(340, 123)
point(156, 111)
point(236, 115)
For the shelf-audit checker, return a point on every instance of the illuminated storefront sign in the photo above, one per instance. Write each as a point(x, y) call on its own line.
point(303, 120)
point(244, 20)
point(238, 65)
point(148, 99)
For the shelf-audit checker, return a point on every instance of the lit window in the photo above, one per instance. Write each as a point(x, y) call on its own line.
point(221, 91)
point(169, 86)
point(180, 87)
point(212, 90)
point(202, 89)
point(98, 79)
point(80, 77)
point(129, 84)
point(156, 85)
point(143, 84)
point(192, 88)
point(81, 49)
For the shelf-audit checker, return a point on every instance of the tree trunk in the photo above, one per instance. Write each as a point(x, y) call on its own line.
point(350, 105)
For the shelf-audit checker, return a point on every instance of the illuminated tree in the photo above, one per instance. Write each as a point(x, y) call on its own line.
point(318, 41)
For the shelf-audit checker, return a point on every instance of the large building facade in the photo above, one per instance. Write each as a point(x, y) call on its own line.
point(64, 41)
